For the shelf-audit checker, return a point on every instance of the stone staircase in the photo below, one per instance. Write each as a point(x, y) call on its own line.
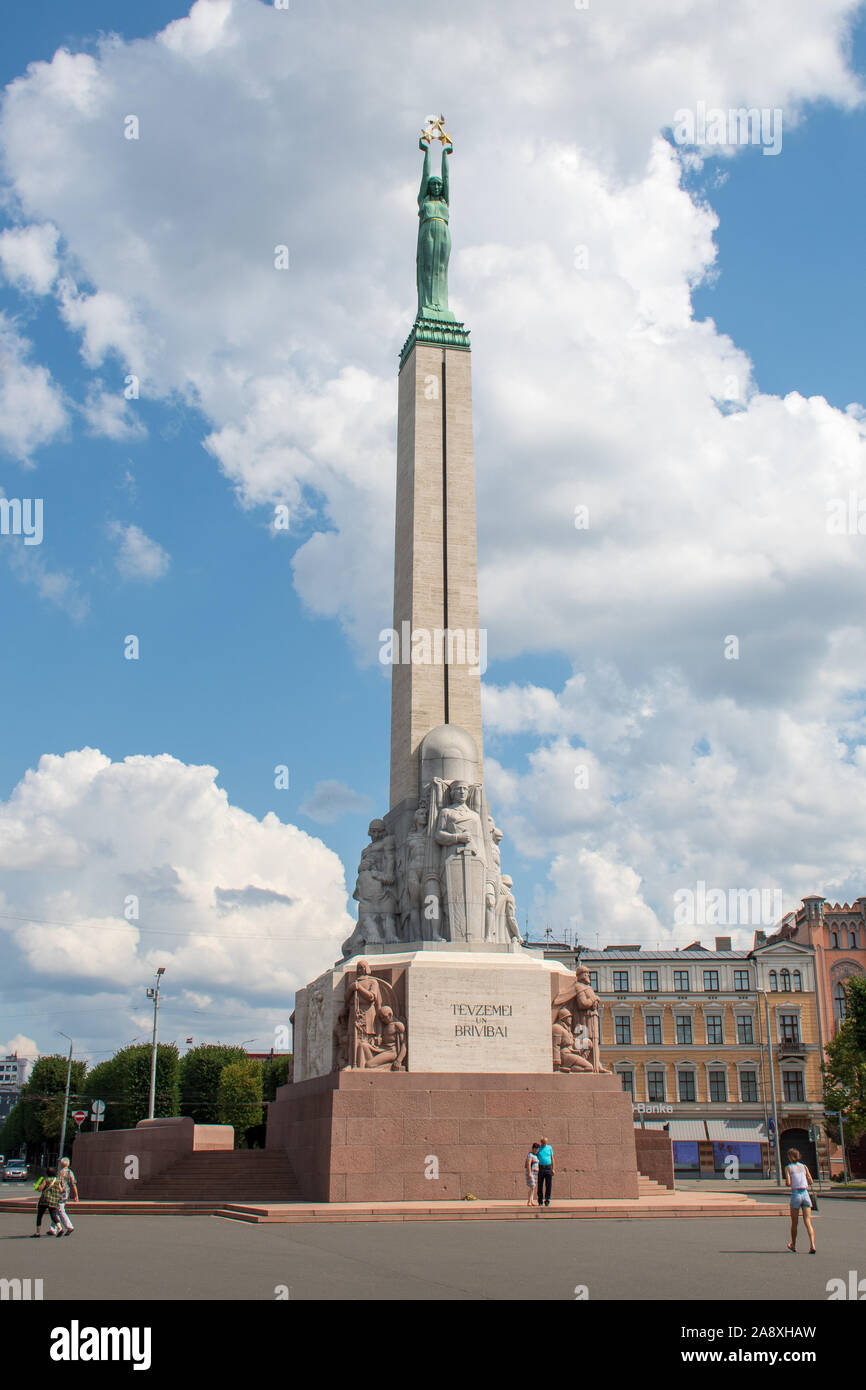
point(648, 1187)
point(216, 1178)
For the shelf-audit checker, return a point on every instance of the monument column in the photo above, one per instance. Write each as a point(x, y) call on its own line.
point(435, 566)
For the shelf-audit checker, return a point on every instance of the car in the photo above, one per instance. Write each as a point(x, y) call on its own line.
point(15, 1171)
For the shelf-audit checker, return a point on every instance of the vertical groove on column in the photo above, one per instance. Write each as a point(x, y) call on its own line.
point(445, 540)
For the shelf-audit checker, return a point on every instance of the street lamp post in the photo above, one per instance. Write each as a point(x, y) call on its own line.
point(66, 1098)
point(838, 1114)
point(154, 995)
point(773, 1092)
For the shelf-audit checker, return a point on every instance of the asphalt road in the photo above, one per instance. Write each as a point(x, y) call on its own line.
point(117, 1257)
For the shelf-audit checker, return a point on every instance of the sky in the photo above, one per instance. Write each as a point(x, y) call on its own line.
point(666, 333)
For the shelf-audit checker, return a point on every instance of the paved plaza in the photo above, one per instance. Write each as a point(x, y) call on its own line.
point(110, 1258)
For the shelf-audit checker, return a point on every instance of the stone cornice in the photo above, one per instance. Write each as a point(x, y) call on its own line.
point(439, 332)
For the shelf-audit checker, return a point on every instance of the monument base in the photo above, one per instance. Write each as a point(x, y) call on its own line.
point(403, 1136)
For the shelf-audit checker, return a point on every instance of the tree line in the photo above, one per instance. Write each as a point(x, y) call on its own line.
point(212, 1084)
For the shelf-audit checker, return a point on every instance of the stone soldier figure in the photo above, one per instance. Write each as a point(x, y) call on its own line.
point(375, 891)
point(565, 1054)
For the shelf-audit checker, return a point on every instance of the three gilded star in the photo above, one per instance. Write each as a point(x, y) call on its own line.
point(435, 130)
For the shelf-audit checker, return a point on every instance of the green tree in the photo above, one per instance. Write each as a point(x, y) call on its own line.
point(133, 1077)
point(239, 1100)
point(105, 1082)
point(845, 1068)
point(200, 1071)
point(41, 1104)
point(276, 1071)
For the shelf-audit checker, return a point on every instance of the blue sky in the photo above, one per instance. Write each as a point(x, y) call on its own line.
point(251, 658)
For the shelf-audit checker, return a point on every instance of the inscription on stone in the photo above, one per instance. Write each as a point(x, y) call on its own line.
point(483, 1029)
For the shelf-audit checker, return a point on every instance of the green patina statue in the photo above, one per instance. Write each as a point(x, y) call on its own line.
point(434, 238)
point(435, 322)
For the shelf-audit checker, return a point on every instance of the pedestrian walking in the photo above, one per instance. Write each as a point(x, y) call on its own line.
point(799, 1180)
point(546, 1171)
point(49, 1200)
point(70, 1193)
point(531, 1167)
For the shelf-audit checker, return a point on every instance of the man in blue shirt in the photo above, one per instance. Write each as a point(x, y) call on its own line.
point(546, 1170)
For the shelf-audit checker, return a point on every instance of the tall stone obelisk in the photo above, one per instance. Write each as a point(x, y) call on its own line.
point(436, 678)
point(439, 1033)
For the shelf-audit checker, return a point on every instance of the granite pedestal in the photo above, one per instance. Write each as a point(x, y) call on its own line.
point(361, 1136)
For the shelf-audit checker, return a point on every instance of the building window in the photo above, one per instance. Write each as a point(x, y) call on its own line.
point(741, 979)
point(711, 980)
point(745, 1030)
point(798, 980)
point(620, 981)
point(786, 980)
point(681, 981)
point(774, 983)
point(718, 1086)
point(792, 1085)
point(654, 1029)
point(651, 981)
point(684, 1028)
point(834, 940)
point(593, 980)
point(789, 1025)
point(655, 1085)
point(839, 1003)
point(686, 1083)
point(714, 1028)
point(852, 942)
point(748, 1085)
point(627, 1078)
point(622, 1027)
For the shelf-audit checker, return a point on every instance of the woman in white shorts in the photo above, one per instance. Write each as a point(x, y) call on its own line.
point(799, 1179)
point(531, 1167)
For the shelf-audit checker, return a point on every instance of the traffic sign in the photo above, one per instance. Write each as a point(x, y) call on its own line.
point(97, 1110)
point(79, 1116)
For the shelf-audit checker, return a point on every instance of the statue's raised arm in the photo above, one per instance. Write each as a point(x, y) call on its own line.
point(425, 172)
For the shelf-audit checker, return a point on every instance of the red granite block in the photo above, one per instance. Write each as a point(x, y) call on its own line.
point(352, 1160)
point(401, 1102)
point(353, 1102)
point(337, 1188)
point(338, 1130)
point(430, 1130)
point(462, 1158)
point(400, 1158)
point(512, 1104)
point(578, 1157)
point(549, 1126)
point(456, 1104)
point(446, 1188)
point(506, 1158)
point(614, 1157)
point(373, 1129)
point(606, 1131)
point(374, 1187)
point(616, 1104)
point(477, 1131)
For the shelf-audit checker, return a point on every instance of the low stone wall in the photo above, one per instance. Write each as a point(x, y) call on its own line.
point(101, 1160)
point(361, 1136)
point(655, 1155)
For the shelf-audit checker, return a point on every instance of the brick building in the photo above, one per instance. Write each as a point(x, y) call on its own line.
point(687, 1032)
